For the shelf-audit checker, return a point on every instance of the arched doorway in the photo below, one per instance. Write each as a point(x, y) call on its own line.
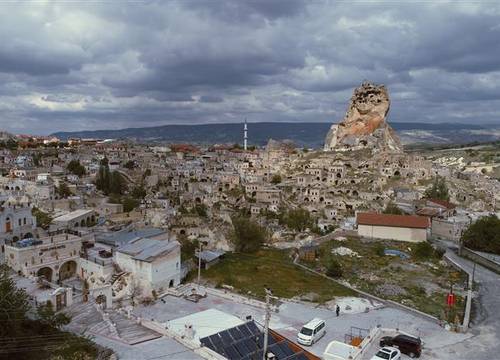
point(171, 283)
point(28, 236)
point(8, 225)
point(45, 273)
point(67, 270)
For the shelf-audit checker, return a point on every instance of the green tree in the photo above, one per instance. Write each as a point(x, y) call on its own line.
point(117, 184)
point(334, 269)
point(42, 218)
point(276, 179)
point(14, 305)
point(423, 250)
point(438, 190)
point(138, 192)
point(298, 219)
point(103, 178)
point(76, 168)
point(393, 209)
point(483, 235)
point(129, 203)
point(63, 190)
point(48, 316)
point(129, 165)
point(248, 236)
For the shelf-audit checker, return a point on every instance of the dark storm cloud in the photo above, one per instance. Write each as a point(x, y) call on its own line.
point(67, 66)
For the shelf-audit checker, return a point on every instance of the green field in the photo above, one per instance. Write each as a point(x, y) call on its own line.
point(274, 269)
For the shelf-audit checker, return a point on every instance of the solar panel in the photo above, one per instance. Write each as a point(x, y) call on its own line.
point(244, 330)
point(241, 349)
point(253, 328)
point(276, 350)
point(251, 345)
point(215, 339)
point(286, 349)
point(231, 353)
point(226, 338)
point(235, 333)
point(301, 356)
point(219, 348)
point(270, 339)
point(206, 342)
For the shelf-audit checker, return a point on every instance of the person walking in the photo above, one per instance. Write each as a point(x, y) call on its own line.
point(337, 310)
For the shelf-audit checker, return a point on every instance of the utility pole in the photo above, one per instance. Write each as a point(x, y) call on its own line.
point(269, 296)
point(199, 264)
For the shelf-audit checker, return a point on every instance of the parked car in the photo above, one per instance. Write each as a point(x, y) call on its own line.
point(387, 353)
point(409, 345)
point(311, 332)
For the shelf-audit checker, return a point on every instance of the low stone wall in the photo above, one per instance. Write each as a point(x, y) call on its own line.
point(480, 259)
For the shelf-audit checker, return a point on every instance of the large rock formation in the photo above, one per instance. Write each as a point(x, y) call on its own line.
point(364, 125)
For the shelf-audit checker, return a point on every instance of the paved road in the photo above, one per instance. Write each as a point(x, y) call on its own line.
point(485, 325)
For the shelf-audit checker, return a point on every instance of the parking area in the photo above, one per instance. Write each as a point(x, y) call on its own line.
point(290, 317)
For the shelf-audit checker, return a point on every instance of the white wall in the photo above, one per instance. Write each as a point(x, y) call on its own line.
point(393, 233)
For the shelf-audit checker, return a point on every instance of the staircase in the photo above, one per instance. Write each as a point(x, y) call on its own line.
point(130, 331)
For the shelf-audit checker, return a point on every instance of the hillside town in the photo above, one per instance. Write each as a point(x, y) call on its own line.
point(235, 251)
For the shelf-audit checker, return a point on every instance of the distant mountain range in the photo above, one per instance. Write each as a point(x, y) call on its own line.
point(302, 134)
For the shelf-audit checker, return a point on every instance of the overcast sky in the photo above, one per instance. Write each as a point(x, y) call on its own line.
point(73, 66)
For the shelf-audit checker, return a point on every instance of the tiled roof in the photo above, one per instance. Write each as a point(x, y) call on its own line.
point(408, 221)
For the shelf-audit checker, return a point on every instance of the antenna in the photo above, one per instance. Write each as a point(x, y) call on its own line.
point(245, 135)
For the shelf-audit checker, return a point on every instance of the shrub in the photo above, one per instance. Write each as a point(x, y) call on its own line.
point(248, 236)
point(379, 250)
point(423, 250)
point(334, 269)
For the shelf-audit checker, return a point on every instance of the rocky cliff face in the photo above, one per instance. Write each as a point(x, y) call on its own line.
point(364, 125)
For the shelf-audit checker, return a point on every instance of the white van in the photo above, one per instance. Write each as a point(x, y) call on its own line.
point(311, 332)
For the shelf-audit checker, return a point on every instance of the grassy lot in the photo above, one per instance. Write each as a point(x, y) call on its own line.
point(272, 268)
point(423, 283)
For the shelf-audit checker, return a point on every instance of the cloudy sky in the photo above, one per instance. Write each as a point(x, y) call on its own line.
point(100, 65)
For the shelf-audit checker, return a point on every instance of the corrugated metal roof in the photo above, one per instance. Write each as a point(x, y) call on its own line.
point(144, 249)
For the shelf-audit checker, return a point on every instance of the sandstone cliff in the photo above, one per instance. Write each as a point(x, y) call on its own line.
point(364, 125)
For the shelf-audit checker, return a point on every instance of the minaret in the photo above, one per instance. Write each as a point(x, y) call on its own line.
point(245, 135)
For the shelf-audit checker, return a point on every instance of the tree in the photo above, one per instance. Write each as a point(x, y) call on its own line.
point(423, 250)
point(42, 218)
point(102, 178)
point(334, 269)
point(14, 305)
point(138, 192)
point(298, 219)
point(117, 184)
point(129, 203)
point(483, 235)
point(248, 236)
point(129, 165)
point(393, 209)
point(76, 168)
point(48, 316)
point(276, 179)
point(438, 190)
point(63, 190)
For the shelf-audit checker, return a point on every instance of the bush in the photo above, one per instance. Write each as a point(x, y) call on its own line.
point(379, 250)
point(439, 253)
point(248, 236)
point(484, 235)
point(334, 269)
point(423, 250)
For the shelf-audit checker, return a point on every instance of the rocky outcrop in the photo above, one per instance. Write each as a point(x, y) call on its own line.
point(364, 125)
